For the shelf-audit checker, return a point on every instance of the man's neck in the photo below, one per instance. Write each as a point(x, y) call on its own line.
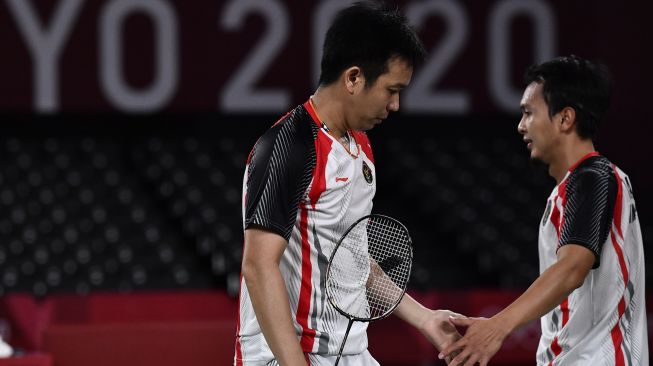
point(330, 111)
point(569, 156)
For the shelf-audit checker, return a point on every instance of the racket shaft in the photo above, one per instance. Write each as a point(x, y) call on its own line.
point(342, 345)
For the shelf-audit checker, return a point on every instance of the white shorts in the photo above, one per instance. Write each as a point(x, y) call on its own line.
point(362, 359)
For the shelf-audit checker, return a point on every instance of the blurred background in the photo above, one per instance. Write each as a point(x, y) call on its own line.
point(125, 126)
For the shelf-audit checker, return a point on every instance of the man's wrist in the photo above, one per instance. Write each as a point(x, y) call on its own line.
point(505, 323)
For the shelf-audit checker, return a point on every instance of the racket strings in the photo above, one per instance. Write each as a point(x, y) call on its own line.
point(371, 268)
point(389, 247)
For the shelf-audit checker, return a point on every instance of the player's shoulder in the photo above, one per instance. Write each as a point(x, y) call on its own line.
point(293, 134)
point(594, 170)
point(297, 123)
point(597, 165)
point(298, 115)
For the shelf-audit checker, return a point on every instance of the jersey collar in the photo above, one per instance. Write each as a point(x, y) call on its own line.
point(311, 110)
point(585, 157)
point(308, 105)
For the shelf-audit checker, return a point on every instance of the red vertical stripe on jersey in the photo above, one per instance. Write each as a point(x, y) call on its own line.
point(562, 192)
point(304, 306)
point(556, 220)
point(616, 334)
point(558, 223)
point(318, 185)
point(555, 346)
point(620, 255)
point(564, 307)
point(555, 216)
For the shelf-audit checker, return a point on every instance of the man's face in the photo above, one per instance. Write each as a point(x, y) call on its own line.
point(374, 103)
point(539, 130)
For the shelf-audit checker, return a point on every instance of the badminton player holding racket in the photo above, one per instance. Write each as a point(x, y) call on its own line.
point(308, 178)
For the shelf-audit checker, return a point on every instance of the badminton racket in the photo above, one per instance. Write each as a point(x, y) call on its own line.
point(368, 270)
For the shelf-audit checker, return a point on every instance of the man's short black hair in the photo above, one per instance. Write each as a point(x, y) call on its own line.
point(368, 34)
point(571, 81)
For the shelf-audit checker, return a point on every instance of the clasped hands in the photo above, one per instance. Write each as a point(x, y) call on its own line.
point(483, 338)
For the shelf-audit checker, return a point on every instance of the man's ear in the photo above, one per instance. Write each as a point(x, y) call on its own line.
point(354, 79)
point(567, 119)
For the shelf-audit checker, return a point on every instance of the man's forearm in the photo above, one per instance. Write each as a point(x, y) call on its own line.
point(484, 337)
point(411, 311)
point(548, 291)
point(270, 301)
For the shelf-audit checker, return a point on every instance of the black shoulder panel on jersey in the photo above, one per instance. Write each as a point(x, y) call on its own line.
point(279, 172)
point(591, 194)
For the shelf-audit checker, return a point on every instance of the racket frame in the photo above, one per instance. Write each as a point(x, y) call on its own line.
point(410, 268)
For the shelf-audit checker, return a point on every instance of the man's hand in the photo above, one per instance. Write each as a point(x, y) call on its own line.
point(481, 342)
point(437, 328)
point(433, 324)
point(439, 331)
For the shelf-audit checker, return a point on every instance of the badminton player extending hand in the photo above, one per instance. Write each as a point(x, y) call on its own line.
point(308, 178)
point(590, 294)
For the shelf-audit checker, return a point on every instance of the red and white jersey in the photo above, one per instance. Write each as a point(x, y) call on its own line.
point(603, 322)
point(304, 185)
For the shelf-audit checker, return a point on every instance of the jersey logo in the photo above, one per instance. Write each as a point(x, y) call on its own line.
point(546, 212)
point(367, 173)
point(342, 179)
